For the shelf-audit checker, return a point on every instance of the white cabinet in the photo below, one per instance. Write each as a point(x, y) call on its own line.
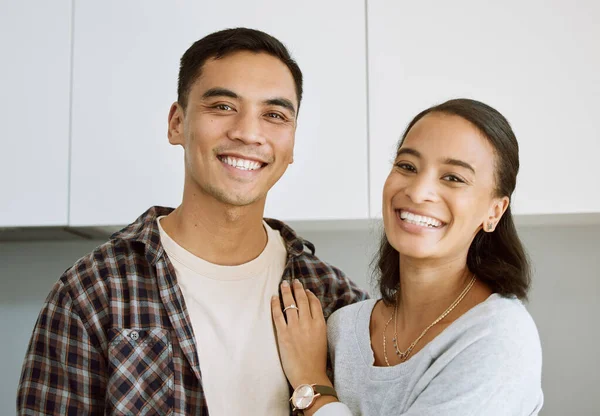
point(35, 40)
point(126, 57)
point(537, 62)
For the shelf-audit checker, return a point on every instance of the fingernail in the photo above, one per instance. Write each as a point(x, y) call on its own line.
point(297, 282)
point(274, 297)
point(285, 284)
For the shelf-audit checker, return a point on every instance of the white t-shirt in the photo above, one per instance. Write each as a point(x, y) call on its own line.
point(230, 311)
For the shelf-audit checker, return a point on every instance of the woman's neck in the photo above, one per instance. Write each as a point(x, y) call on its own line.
point(428, 289)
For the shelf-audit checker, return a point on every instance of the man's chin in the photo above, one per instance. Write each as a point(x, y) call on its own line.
point(238, 200)
point(225, 195)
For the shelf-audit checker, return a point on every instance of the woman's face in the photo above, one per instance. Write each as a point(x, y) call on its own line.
point(440, 192)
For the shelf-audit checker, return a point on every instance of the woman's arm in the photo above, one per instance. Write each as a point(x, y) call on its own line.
point(302, 339)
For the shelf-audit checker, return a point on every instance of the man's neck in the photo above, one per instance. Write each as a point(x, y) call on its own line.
point(216, 232)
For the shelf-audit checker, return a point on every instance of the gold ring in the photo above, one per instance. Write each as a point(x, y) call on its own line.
point(292, 306)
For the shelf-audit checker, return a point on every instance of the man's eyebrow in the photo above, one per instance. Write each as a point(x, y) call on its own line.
point(224, 92)
point(219, 92)
point(282, 102)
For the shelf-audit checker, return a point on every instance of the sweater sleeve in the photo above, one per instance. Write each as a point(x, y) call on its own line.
point(334, 409)
point(497, 374)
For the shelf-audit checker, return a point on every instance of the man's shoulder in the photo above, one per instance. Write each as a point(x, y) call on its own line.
point(302, 252)
point(294, 244)
point(331, 285)
point(131, 250)
point(108, 260)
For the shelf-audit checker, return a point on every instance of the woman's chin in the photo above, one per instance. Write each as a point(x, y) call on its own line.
point(415, 251)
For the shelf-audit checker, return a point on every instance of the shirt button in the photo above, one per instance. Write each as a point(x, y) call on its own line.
point(134, 335)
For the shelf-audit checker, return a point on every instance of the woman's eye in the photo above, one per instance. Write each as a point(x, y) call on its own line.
point(406, 166)
point(453, 178)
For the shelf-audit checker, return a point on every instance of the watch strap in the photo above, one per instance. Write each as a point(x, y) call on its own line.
point(324, 390)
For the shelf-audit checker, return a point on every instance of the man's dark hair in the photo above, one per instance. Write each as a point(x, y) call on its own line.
point(225, 42)
point(497, 258)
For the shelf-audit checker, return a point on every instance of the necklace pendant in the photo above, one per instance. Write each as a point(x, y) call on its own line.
point(401, 355)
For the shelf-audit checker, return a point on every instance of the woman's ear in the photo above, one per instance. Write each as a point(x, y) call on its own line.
point(497, 209)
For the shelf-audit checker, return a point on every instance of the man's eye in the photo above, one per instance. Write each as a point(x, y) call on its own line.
point(275, 116)
point(223, 107)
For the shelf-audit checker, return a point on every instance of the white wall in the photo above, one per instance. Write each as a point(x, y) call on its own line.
point(564, 302)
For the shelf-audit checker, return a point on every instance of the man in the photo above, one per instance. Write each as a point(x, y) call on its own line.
point(173, 313)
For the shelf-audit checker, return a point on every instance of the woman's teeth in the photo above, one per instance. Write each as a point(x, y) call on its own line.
point(420, 220)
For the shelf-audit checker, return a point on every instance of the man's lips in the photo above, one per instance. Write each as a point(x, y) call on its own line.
point(242, 163)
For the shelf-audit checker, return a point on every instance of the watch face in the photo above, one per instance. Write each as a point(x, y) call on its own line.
point(303, 396)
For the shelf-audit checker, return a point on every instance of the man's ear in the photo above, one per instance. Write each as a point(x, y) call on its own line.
point(175, 128)
point(497, 209)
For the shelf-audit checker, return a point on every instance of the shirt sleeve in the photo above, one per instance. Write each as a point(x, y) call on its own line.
point(63, 372)
point(334, 409)
point(493, 377)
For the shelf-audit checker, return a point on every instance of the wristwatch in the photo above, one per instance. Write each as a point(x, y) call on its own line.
point(305, 394)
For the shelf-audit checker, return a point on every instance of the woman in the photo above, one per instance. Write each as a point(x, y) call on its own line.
point(449, 335)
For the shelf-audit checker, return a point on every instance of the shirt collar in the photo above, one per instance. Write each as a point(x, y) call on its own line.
point(145, 230)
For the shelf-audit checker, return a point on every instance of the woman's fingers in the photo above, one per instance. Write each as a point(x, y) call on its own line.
point(288, 300)
point(278, 318)
point(301, 333)
point(305, 305)
point(316, 309)
point(301, 301)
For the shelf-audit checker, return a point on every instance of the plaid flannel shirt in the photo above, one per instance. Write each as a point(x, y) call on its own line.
point(114, 335)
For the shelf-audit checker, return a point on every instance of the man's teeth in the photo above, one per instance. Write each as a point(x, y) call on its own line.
point(241, 164)
point(420, 220)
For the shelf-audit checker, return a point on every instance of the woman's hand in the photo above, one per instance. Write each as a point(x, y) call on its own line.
point(303, 338)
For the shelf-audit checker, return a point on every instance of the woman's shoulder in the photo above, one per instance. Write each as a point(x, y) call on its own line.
point(499, 323)
point(503, 314)
point(494, 346)
point(353, 311)
point(347, 317)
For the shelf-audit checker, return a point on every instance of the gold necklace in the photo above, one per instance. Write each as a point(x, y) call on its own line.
point(403, 355)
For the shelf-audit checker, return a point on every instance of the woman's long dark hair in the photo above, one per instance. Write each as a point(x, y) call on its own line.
point(497, 258)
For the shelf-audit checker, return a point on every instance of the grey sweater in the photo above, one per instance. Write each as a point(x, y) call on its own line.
point(487, 362)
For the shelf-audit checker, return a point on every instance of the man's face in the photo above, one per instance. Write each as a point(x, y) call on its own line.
point(238, 128)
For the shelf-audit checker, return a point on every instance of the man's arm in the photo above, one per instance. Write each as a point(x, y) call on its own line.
point(63, 372)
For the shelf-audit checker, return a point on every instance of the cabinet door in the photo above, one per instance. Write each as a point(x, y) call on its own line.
point(126, 58)
point(35, 40)
point(537, 62)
